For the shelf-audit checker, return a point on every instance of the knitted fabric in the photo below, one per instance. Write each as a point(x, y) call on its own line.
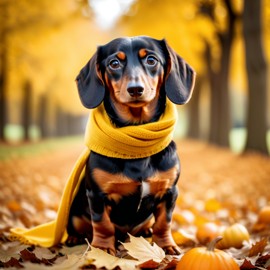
point(104, 138)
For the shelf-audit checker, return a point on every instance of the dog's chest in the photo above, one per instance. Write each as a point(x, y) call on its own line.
point(115, 186)
point(141, 177)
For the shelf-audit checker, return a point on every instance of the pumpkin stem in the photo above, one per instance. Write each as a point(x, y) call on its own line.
point(212, 244)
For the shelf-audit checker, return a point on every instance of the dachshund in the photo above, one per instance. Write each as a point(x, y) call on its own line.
point(133, 77)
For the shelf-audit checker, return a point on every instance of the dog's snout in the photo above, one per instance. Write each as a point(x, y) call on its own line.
point(135, 89)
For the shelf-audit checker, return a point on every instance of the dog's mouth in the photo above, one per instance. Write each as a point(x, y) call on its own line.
point(136, 103)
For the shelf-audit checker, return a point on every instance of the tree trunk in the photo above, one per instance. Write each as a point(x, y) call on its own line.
point(257, 77)
point(43, 117)
point(3, 90)
point(219, 81)
point(193, 111)
point(222, 86)
point(27, 109)
point(214, 96)
point(62, 122)
point(3, 71)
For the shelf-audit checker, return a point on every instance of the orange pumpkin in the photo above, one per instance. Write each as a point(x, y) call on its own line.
point(185, 217)
point(233, 236)
point(263, 221)
point(264, 215)
point(206, 232)
point(209, 258)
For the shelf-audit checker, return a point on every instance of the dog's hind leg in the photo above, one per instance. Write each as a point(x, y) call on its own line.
point(79, 224)
point(103, 228)
point(81, 230)
point(162, 227)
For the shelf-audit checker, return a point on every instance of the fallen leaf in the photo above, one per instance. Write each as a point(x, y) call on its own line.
point(264, 261)
point(143, 251)
point(258, 247)
point(259, 227)
point(27, 255)
point(14, 263)
point(43, 253)
point(14, 206)
point(100, 259)
point(78, 250)
point(72, 262)
point(35, 266)
point(171, 265)
point(11, 250)
point(247, 265)
point(212, 205)
point(149, 265)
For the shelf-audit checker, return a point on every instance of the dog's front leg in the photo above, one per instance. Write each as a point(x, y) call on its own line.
point(103, 228)
point(162, 227)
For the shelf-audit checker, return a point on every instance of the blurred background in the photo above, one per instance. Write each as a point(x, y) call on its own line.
point(45, 43)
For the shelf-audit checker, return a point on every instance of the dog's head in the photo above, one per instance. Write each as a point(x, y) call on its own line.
point(131, 75)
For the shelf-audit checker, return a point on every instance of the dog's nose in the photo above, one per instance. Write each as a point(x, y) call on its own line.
point(135, 89)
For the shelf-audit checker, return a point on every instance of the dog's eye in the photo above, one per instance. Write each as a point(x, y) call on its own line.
point(114, 64)
point(151, 60)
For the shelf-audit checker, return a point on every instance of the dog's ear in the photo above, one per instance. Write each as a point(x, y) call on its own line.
point(90, 84)
point(180, 77)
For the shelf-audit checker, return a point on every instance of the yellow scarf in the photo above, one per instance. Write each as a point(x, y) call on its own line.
point(104, 138)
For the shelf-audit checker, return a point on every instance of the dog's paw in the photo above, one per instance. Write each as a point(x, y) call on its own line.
point(172, 250)
point(74, 241)
point(109, 251)
point(166, 242)
point(106, 244)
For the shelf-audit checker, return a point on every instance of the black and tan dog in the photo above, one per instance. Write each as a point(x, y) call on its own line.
point(132, 77)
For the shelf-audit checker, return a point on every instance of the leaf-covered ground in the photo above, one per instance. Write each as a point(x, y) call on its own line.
point(216, 186)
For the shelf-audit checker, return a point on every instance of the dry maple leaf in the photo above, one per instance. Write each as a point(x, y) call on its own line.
point(149, 265)
point(138, 248)
point(247, 265)
point(264, 261)
point(72, 262)
point(43, 253)
point(100, 259)
point(78, 250)
point(11, 250)
point(258, 247)
point(172, 264)
point(143, 251)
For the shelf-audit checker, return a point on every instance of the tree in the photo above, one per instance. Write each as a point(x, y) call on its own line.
point(3, 66)
point(257, 77)
point(219, 76)
point(34, 45)
point(43, 112)
point(194, 108)
point(27, 109)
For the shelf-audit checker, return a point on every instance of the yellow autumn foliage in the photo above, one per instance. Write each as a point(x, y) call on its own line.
point(48, 42)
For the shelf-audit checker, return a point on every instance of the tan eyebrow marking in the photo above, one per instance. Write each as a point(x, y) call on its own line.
point(142, 53)
point(121, 55)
